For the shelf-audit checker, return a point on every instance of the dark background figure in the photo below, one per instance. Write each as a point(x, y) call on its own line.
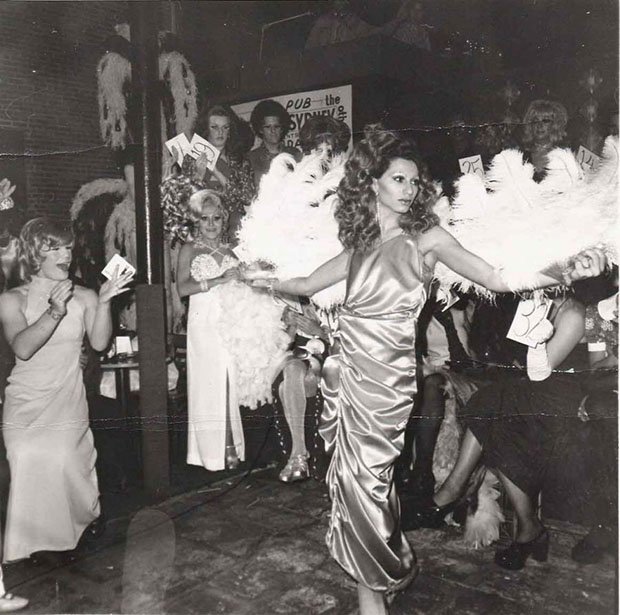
point(271, 122)
point(323, 132)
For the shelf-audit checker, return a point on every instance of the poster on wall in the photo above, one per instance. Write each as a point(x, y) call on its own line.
point(336, 101)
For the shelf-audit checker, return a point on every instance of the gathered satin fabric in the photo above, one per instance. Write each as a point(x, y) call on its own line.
point(368, 390)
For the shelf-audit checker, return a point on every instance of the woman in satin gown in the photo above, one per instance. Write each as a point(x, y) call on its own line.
point(53, 495)
point(391, 244)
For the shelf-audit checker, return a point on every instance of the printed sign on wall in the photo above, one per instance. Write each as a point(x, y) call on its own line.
point(336, 102)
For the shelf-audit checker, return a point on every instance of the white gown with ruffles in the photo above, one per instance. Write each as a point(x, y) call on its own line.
point(210, 372)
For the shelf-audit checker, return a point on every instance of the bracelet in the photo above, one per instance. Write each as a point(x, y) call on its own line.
point(204, 285)
point(57, 316)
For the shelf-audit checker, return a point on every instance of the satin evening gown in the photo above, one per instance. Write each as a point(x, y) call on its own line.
point(369, 389)
point(54, 494)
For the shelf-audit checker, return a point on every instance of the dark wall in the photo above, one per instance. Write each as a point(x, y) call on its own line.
point(48, 97)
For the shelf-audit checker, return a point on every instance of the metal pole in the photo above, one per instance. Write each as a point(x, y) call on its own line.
point(150, 301)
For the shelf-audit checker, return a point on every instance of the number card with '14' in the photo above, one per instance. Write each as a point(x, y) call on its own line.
point(472, 164)
point(530, 313)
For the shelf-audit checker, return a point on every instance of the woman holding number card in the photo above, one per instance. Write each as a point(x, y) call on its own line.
point(392, 243)
point(53, 496)
point(232, 175)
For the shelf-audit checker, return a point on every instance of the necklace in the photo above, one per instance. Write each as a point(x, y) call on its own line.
point(199, 243)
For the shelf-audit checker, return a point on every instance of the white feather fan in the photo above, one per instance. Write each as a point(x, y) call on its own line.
point(291, 222)
point(522, 226)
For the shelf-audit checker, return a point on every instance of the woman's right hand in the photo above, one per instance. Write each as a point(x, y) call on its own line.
point(200, 169)
point(60, 295)
point(230, 274)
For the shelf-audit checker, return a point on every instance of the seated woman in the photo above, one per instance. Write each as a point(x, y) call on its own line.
point(54, 494)
point(300, 377)
point(206, 262)
point(517, 427)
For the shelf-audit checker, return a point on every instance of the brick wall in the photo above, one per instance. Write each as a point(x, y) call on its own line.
point(48, 92)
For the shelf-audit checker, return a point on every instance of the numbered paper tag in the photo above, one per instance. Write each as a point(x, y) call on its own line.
point(472, 164)
point(178, 146)
point(117, 261)
point(200, 146)
point(587, 160)
point(530, 313)
point(447, 298)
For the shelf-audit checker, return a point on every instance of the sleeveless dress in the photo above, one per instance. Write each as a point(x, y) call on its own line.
point(53, 495)
point(367, 406)
point(210, 374)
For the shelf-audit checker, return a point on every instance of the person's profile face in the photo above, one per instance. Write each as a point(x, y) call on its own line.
point(218, 130)
point(272, 130)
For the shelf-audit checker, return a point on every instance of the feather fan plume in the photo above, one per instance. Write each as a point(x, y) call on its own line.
point(291, 222)
point(522, 226)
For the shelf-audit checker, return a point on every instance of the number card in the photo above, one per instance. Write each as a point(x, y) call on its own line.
point(587, 160)
point(472, 164)
point(117, 261)
point(200, 146)
point(178, 146)
point(530, 313)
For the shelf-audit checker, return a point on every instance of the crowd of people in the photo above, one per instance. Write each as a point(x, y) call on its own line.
point(383, 370)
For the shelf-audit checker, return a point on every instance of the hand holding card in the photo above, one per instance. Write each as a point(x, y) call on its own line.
point(119, 273)
point(117, 263)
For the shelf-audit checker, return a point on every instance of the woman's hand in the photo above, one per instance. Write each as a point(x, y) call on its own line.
point(231, 274)
point(116, 285)
point(60, 295)
point(587, 264)
point(306, 325)
point(200, 169)
point(220, 177)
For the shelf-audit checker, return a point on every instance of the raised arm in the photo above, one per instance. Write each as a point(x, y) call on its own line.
point(327, 274)
point(446, 249)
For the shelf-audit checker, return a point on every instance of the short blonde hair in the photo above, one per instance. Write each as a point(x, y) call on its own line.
point(203, 197)
point(538, 108)
point(37, 234)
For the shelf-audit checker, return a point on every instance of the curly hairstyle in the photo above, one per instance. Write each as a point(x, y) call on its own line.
point(269, 108)
point(356, 211)
point(198, 200)
point(37, 234)
point(320, 129)
point(539, 109)
point(237, 143)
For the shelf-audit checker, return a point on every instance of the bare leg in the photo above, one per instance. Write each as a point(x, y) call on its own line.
point(469, 456)
point(528, 525)
point(293, 397)
point(370, 601)
point(231, 457)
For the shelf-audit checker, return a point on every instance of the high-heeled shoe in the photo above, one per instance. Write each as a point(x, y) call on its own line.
point(415, 514)
point(231, 458)
point(515, 556)
point(295, 470)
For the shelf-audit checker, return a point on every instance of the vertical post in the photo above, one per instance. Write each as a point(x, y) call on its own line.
point(150, 301)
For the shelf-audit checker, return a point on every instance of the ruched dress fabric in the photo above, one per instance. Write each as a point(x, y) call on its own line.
point(54, 494)
point(368, 400)
point(210, 374)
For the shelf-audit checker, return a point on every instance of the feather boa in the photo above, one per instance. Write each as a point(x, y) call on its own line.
point(113, 75)
point(291, 222)
point(482, 524)
point(522, 226)
point(94, 189)
point(176, 72)
point(250, 326)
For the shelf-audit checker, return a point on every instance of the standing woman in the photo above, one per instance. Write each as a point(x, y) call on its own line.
point(232, 175)
point(215, 433)
point(53, 495)
point(392, 243)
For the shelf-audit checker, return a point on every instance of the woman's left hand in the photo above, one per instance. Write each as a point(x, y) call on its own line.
point(587, 264)
point(116, 285)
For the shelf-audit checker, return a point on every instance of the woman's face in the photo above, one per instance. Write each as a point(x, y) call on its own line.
point(219, 127)
point(542, 127)
point(211, 222)
point(325, 148)
point(272, 130)
point(397, 188)
point(55, 262)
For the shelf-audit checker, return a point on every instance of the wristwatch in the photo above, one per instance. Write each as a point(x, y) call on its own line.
point(55, 315)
